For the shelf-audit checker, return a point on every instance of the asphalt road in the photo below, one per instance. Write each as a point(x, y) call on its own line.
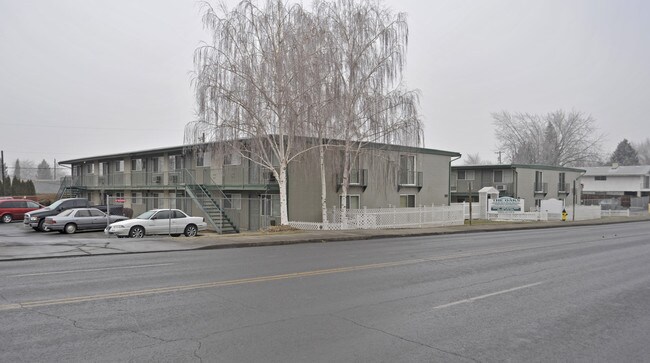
point(566, 294)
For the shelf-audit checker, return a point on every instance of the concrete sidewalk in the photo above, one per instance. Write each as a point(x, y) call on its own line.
point(111, 245)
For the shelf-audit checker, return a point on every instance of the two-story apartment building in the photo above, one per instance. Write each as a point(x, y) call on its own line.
point(616, 181)
point(234, 193)
point(532, 183)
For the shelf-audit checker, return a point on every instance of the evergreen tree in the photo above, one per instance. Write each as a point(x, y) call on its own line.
point(43, 171)
point(625, 154)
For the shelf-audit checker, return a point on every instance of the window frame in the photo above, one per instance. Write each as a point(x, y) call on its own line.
point(408, 199)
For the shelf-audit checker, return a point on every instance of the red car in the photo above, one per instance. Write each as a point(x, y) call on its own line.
point(11, 209)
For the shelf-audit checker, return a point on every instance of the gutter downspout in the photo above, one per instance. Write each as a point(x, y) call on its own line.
point(449, 180)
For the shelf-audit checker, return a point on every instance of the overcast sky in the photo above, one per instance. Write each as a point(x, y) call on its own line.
point(85, 78)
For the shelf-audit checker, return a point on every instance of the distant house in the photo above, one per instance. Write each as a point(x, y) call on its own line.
point(533, 183)
point(232, 187)
point(616, 181)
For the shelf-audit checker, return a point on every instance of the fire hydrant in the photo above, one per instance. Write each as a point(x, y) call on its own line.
point(564, 215)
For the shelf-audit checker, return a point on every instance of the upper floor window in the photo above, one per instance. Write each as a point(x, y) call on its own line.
point(562, 179)
point(498, 176)
point(646, 182)
point(90, 168)
point(156, 165)
point(407, 169)
point(232, 159)
point(202, 158)
point(465, 174)
point(137, 164)
point(103, 168)
point(175, 162)
point(600, 177)
point(119, 165)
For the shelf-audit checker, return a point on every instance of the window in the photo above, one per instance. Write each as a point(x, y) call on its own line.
point(90, 168)
point(203, 158)
point(538, 181)
point(103, 168)
point(407, 169)
point(136, 198)
point(176, 162)
point(407, 201)
point(156, 165)
point(465, 174)
point(562, 182)
point(646, 182)
point(119, 165)
point(498, 176)
point(32, 205)
point(270, 205)
point(163, 214)
point(232, 159)
point(352, 201)
point(97, 213)
point(82, 213)
point(137, 164)
point(600, 177)
point(232, 201)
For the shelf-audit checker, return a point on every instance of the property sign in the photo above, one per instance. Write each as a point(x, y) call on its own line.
point(506, 204)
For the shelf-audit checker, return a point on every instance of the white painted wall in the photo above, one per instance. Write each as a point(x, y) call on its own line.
point(612, 184)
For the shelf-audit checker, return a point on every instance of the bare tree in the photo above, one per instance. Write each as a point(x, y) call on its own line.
point(474, 159)
point(371, 103)
point(643, 150)
point(251, 82)
point(557, 138)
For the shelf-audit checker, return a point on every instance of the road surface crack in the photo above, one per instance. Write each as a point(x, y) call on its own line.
point(404, 338)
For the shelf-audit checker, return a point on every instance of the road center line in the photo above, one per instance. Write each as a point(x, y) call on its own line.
point(486, 296)
point(90, 270)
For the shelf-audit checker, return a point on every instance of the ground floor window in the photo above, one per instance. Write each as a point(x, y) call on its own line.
point(407, 201)
point(270, 205)
point(352, 202)
point(232, 201)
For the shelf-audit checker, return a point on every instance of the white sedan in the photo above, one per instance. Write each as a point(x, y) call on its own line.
point(158, 221)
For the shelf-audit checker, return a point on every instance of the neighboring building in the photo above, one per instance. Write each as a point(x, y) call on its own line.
point(532, 183)
point(248, 195)
point(616, 181)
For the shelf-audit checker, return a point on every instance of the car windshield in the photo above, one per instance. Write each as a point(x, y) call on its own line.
point(55, 204)
point(146, 215)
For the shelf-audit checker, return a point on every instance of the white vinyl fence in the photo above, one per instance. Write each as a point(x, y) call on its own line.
point(382, 218)
point(518, 216)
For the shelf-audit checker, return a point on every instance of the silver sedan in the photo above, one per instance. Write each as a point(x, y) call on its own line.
point(78, 219)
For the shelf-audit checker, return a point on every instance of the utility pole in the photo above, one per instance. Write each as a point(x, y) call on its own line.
point(2, 166)
point(499, 153)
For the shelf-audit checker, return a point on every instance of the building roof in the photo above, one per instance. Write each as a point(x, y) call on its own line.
point(180, 149)
point(516, 166)
point(633, 170)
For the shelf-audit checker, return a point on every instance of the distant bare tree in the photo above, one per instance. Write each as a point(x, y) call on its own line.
point(557, 138)
point(473, 159)
point(643, 151)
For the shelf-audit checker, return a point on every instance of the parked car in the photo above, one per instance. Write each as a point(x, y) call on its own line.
point(81, 219)
point(158, 221)
point(15, 209)
point(36, 219)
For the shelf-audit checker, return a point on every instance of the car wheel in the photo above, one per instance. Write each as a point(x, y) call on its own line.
point(190, 230)
point(7, 218)
point(42, 227)
point(70, 228)
point(136, 232)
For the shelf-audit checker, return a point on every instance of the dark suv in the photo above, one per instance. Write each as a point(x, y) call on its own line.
point(15, 209)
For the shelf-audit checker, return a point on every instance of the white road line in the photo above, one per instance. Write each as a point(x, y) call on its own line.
point(486, 296)
point(90, 270)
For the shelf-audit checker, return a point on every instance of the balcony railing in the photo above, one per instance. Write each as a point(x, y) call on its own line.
point(358, 177)
point(409, 178)
point(462, 186)
point(540, 188)
point(564, 188)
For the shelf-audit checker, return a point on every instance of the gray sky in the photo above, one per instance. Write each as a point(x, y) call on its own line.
point(83, 78)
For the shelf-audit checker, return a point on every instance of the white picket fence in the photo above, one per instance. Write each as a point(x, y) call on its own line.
point(384, 218)
point(518, 216)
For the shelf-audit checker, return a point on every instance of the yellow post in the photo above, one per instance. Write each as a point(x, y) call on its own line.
point(564, 215)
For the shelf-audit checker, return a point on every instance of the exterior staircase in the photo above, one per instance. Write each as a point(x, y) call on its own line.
point(66, 190)
point(217, 217)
